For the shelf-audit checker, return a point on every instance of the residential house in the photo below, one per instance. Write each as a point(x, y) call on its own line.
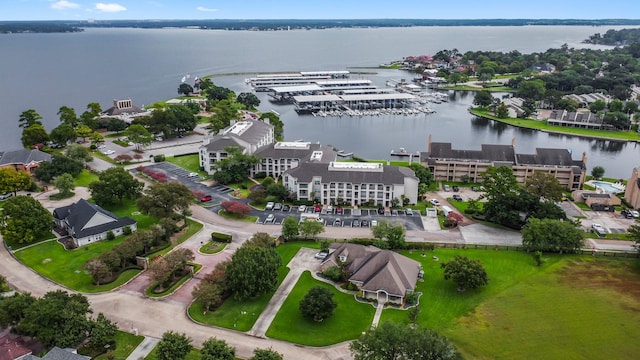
point(514, 106)
point(23, 159)
point(282, 156)
point(125, 110)
point(586, 99)
point(580, 119)
point(543, 68)
point(382, 275)
point(13, 347)
point(632, 191)
point(86, 222)
point(448, 164)
point(248, 135)
point(59, 354)
point(352, 183)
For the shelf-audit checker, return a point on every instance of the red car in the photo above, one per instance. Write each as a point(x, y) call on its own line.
point(318, 208)
point(339, 210)
point(205, 198)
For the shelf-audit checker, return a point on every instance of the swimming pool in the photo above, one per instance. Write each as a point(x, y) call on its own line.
point(607, 186)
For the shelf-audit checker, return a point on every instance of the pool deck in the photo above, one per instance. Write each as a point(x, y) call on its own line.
point(619, 187)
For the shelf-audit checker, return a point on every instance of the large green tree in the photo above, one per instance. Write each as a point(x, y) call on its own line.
point(173, 346)
point(310, 228)
point(138, 135)
point(63, 134)
point(266, 354)
point(290, 229)
point(248, 99)
point(466, 273)
point(64, 183)
point(235, 167)
point(389, 236)
point(25, 220)
point(28, 118)
point(68, 116)
point(33, 135)
point(483, 98)
point(214, 349)
point(59, 165)
point(318, 304)
point(545, 186)
point(278, 125)
point(394, 341)
point(12, 180)
point(549, 235)
point(253, 271)
point(163, 200)
point(78, 152)
point(113, 186)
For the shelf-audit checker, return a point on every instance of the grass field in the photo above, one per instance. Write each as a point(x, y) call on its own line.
point(189, 162)
point(125, 344)
point(194, 354)
point(85, 178)
point(348, 321)
point(542, 125)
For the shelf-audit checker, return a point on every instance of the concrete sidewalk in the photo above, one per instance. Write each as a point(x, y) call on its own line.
point(144, 348)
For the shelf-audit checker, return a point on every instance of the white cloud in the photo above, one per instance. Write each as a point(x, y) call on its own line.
point(63, 5)
point(202, 8)
point(111, 8)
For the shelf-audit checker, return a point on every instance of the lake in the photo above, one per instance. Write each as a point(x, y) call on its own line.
point(46, 71)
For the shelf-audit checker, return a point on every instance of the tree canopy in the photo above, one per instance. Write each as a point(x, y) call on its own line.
point(253, 271)
point(389, 236)
point(466, 273)
point(165, 199)
point(113, 186)
point(392, 341)
point(28, 118)
point(214, 349)
point(310, 228)
point(318, 304)
point(545, 186)
point(33, 135)
point(25, 220)
point(548, 235)
point(290, 229)
point(173, 346)
point(235, 167)
point(59, 165)
point(13, 180)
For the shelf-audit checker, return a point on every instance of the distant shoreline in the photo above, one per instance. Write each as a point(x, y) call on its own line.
point(64, 26)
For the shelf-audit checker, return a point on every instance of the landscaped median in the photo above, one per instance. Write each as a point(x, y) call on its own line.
point(543, 126)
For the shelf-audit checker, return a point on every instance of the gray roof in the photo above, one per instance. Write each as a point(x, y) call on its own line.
point(79, 214)
point(390, 174)
point(220, 142)
point(23, 156)
point(328, 153)
point(487, 152)
point(378, 269)
point(256, 131)
point(59, 354)
point(543, 156)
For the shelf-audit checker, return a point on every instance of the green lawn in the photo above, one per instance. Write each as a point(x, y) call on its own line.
point(66, 267)
point(194, 354)
point(349, 320)
point(189, 162)
point(129, 208)
point(85, 178)
point(542, 125)
point(212, 247)
point(125, 344)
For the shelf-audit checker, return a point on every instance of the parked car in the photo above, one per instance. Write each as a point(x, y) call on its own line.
point(205, 198)
point(302, 208)
point(277, 206)
point(434, 202)
point(394, 212)
point(270, 218)
point(409, 212)
point(355, 223)
point(446, 187)
point(374, 223)
point(5, 196)
point(457, 197)
point(329, 209)
point(193, 174)
point(381, 210)
point(269, 205)
point(364, 223)
point(286, 208)
point(339, 210)
point(337, 222)
point(108, 152)
point(321, 255)
point(598, 229)
point(455, 188)
point(317, 208)
point(634, 213)
point(626, 213)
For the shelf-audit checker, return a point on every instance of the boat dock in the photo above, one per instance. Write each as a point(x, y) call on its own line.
point(341, 153)
point(403, 152)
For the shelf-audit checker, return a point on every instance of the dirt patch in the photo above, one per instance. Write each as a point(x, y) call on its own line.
point(47, 260)
point(618, 275)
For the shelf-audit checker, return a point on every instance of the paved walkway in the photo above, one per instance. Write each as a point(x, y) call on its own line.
point(376, 317)
point(145, 347)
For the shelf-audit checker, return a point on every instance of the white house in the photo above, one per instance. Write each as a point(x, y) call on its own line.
point(86, 222)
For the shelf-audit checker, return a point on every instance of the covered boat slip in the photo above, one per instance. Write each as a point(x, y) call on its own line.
point(312, 103)
point(262, 82)
point(286, 93)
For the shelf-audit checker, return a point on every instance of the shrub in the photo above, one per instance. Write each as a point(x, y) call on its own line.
point(126, 230)
point(158, 158)
point(362, 241)
point(110, 235)
point(220, 237)
point(333, 273)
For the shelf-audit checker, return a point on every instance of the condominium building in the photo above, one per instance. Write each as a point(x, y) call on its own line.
point(448, 164)
point(632, 191)
point(352, 183)
point(282, 156)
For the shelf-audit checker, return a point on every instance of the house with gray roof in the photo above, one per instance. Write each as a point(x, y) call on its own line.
point(86, 222)
point(248, 135)
point(382, 275)
point(23, 159)
point(352, 183)
point(59, 354)
point(579, 119)
point(448, 164)
point(125, 110)
point(281, 156)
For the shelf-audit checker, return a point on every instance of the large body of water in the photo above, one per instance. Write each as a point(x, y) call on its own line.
point(46, 71)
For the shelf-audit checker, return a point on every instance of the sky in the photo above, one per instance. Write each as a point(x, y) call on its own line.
point(316, 9)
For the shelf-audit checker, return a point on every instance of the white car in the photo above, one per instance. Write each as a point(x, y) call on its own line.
point(102, 146)
point(329, 209)
point(302, 208)
point(270, 218)
point(193, 174)
point(321, 255)
point(634, 213)
point(598, 229)
point(409, 212)
point(108, 152)
point(434, 202)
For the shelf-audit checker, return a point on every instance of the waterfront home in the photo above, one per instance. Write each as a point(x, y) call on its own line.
point(282, 156)
point(381, 275)
point(23, 159)
point(85, 222)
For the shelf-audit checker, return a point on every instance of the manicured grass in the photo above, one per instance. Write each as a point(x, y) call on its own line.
point(236, 315)
point(85, 178)
point(542, 125)
point(194, 354)
point(125, 344)
point(251, 219)
point(129, 208)
point(461, 206)
point(66, 267)
point(189, 162)
point(583, 206)
point(577, 308)
point(349, 319)
point(15, 246)
point(192, 228)
point(212, 247)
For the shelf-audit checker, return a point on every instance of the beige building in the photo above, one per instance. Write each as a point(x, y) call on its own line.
point(632, 192)
point(448, 164)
